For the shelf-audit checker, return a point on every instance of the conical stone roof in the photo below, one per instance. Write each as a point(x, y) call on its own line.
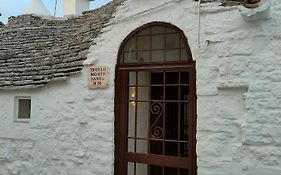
point(36, 7)
point(35, 51)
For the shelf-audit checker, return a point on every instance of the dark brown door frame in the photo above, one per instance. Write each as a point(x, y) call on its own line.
point(121, 94)
point(120, 107)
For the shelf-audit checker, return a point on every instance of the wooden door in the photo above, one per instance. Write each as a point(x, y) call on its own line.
point(157, 122)
point(155, 103)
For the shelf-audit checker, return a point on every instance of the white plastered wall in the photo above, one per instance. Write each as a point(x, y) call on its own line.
point(238, 77)
point(74, 7)
point(71, 130)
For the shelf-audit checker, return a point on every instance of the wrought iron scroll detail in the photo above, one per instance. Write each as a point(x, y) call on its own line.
point(156, 131)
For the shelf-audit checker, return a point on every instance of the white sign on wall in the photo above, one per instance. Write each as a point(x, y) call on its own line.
point(98, 77)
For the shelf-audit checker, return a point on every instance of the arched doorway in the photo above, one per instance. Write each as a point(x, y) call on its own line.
point(155, 103)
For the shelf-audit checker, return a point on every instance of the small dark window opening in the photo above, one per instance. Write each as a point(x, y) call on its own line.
point(24, 108)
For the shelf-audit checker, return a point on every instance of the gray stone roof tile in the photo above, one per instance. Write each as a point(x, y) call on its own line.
point(35, 51)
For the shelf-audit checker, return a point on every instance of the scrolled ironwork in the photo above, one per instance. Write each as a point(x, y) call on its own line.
point(157, 111)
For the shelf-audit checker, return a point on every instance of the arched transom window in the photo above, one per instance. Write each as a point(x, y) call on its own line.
point(156, 43)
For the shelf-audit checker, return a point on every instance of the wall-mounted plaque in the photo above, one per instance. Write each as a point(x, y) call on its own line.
point(98, 77)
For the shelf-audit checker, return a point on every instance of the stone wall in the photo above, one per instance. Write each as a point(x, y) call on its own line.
point(71, 130)
point(239, 104)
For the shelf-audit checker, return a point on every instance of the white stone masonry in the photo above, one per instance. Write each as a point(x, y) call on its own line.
point(71, 130)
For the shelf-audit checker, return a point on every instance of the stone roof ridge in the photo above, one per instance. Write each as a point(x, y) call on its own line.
point(27, 20)
point(226, 2)
point(35, 51)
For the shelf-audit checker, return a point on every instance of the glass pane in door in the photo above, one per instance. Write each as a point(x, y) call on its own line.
point(144, 169)
point(158, 113)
